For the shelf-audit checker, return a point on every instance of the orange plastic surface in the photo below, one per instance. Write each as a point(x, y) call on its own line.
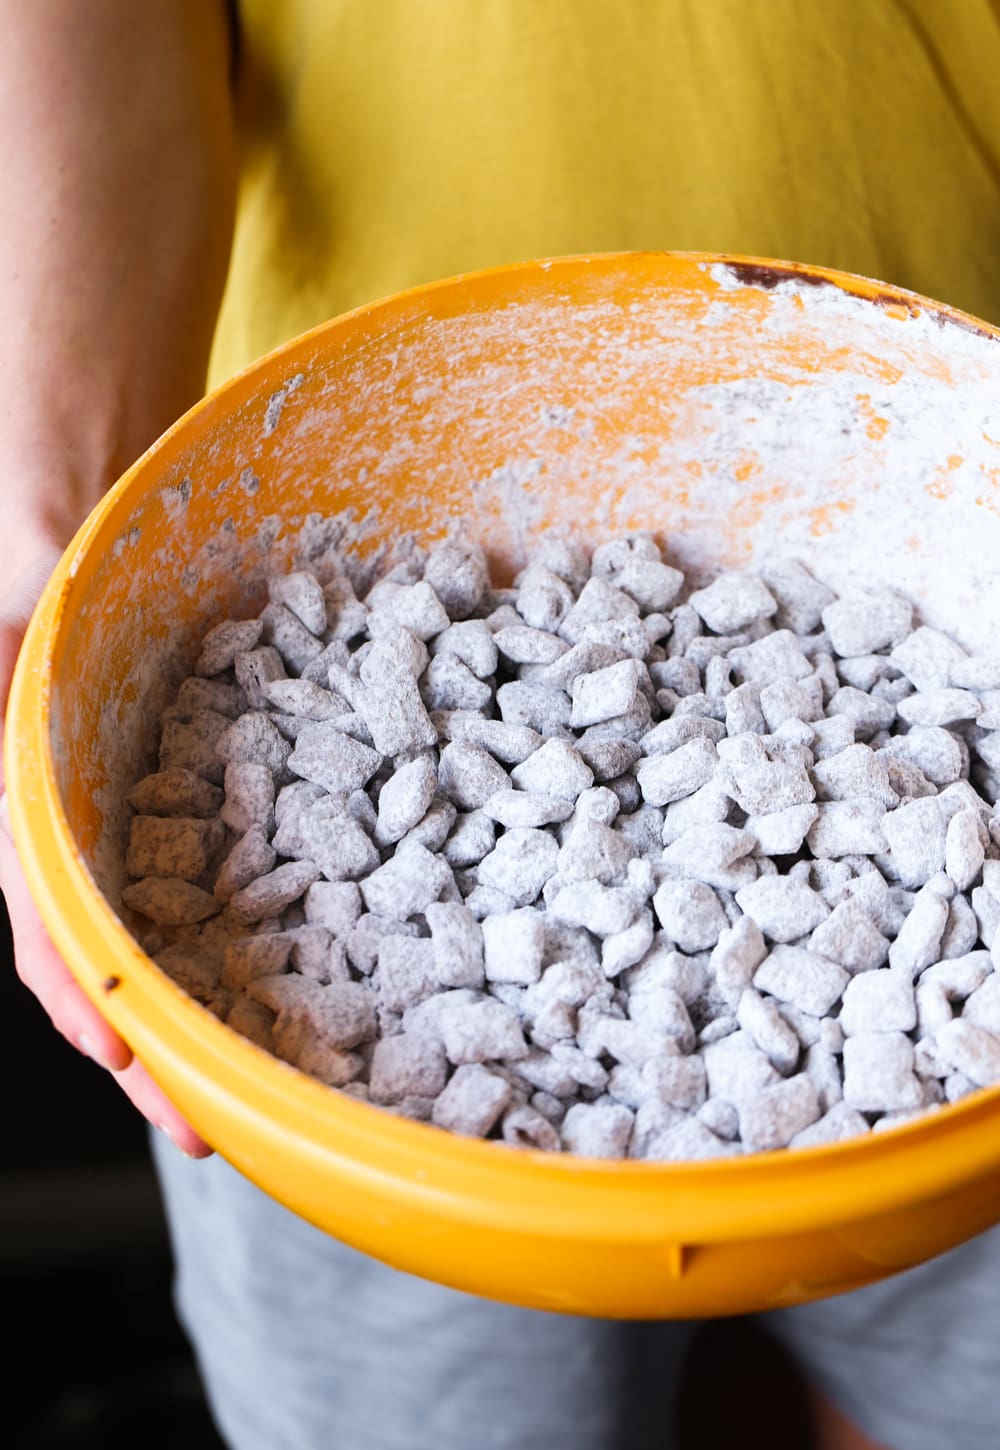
point(508, 399)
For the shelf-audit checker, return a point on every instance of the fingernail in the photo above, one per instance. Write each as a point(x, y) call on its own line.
point(86, 1046)
point(162, 1127)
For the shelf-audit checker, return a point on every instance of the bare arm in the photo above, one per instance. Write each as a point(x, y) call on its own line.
point(117, 164)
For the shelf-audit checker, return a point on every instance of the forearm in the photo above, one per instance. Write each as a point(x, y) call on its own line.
point(117, 158)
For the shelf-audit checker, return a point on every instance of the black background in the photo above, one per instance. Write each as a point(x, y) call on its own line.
point(97, 1358)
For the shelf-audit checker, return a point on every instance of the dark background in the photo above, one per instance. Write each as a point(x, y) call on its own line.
point(97, 1358)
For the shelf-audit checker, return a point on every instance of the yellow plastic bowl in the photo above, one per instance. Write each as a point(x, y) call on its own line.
point(735, 405)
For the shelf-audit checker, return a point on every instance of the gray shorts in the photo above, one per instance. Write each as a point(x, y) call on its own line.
point(305, 1344)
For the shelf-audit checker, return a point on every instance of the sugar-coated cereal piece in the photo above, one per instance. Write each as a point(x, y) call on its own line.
point(971, 1050)
point(525, 1126)
point(593, 1130)
point(543, 598)
point(839, 1122)
point(918, 941)
point(793, 974)
point(405, 973)
point(878, 1001)
point(175, 792)
point(468, 775)
point(866, 621)
point(983, 1005)
point(761, 1019)
point(801, 598)
point(677, 1080)
point(771, 1118)
point(300, 592)
point(878, 1073)
point(268, 895)
point(406, 883)
point(520, 863)
point(407, 1065)
point(671, 777)
point(250, 857)
point(457, 939)
point(690, 914)
point(605, 693)
point(928, 658)
point(193, 744)
point(733, 601)
point(172, 846)
point(513, 946)
point(249, 797)
point(688, 1141)
point(472, 1101)
point(603, 910)
point(405, 798)
point(224, 641)
point(847, 828)
point(850, 937)
point(170, 901)
point(784, 908)
point(481, 1031)
point(457, 571)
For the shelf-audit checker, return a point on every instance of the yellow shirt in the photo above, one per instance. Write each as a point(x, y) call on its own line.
point(391, 142)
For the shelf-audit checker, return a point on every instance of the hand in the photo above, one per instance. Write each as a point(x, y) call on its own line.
point(39, 965)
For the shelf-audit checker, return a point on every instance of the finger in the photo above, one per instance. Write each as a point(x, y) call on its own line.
point(37, 961)
point(45, 974)
point(19, 599)
point(17, 605)
point(143, 1093)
